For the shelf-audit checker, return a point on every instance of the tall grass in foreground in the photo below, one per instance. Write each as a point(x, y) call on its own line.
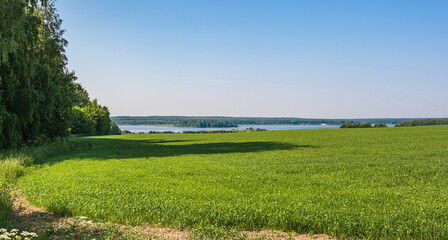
point(13, 164)
point(365, 183)
point(11, 168)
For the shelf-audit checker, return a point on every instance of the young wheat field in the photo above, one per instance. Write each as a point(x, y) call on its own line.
point(384, 183)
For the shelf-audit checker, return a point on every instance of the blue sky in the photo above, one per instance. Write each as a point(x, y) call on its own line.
point(322, 59)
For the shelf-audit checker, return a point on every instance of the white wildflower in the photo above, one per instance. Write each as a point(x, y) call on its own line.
point(28, 234)
point(4, 236)
point(15, 234)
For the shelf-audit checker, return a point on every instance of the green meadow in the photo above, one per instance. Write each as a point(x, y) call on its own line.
point(389, 183)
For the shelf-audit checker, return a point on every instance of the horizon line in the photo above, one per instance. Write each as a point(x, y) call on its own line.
point(211, 116)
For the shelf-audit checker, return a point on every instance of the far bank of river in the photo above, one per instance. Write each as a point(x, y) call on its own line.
point(148, 128)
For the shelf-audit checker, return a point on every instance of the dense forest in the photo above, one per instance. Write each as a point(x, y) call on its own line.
point(173, 120)
point(204, 123)
point(40, 100)
point(424, 122)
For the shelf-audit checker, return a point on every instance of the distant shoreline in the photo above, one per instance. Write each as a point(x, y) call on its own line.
point(158, 128)
point(174, 120)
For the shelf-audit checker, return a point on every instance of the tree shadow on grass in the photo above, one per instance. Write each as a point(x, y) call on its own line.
point(106, 148)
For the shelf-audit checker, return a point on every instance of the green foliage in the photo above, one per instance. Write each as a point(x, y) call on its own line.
point(204, 123)
point(424, 122)
point(203, 131)
point(35, 85)
point(251, 129)
point(384, 183)
point(92, 119)
point(5, 210)
point(37, 92)
point(10, 169)
point(114, 129)
point(80, 96)
point(80, 124)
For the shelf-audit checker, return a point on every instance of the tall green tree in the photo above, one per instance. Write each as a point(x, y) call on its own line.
point(36, 89)
point(92, 119)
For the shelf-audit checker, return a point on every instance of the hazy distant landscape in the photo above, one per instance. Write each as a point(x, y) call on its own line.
point(162, 128)
point(173, 120)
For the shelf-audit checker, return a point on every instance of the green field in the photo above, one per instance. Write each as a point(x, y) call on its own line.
point(368, 183)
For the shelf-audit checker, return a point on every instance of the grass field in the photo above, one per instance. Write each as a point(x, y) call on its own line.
point(366, 183)
point(12, 166)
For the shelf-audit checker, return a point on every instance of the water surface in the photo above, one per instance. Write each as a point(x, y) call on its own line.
point(148, 128)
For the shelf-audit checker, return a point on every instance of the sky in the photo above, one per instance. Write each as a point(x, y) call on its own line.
point(298, 58)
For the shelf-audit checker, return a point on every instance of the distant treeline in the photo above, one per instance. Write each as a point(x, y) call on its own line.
point(204, 123)
point(212, 131)
point(173, 120)
point(424, 122)
point(362, 125)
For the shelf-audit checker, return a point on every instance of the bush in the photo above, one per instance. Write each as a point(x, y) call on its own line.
point(114, 129)
point(92, 119)
point(355, 125)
